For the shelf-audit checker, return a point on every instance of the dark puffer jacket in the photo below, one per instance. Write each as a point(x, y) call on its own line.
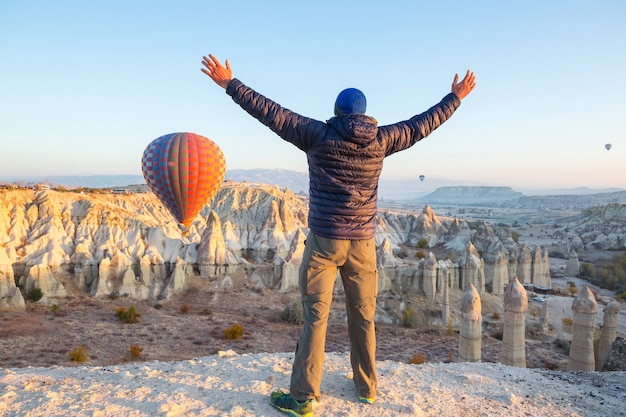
point(345, 157)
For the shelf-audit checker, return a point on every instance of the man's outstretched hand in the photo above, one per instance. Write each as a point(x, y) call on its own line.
point(466, 85)
point(221, 75)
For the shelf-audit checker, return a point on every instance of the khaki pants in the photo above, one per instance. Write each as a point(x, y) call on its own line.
point(356, 262)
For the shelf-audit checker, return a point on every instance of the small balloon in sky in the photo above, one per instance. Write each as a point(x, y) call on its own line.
point(608, 146)
point(422, 177)
point(184, 170)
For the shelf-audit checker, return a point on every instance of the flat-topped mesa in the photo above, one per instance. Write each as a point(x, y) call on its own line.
point(471, 325)
point(581, 355)
point(514, 332)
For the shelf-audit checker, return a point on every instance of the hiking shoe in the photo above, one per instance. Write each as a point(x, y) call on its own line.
point(366, 400)
point(283, 402)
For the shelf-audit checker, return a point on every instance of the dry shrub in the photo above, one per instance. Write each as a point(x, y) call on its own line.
point(135, 351)
point(234, 332)
point(79, 354)
point(184, 309)
point(418, 359)
point(567, 322)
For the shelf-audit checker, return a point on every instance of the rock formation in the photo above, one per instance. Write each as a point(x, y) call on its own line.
point(130, 244)
point(609, 331)
point(616, 356)
point(10, 294)
point(427, 226)
point(524, 265)
point(514, 336)
point(500, 273)
point(470, 334)
point(445, 293)
point(572, 269)
point(429, 282)
point(291, 266)
point(581, 355)
point(544, 317)
point(41, 277)
point(472, 269)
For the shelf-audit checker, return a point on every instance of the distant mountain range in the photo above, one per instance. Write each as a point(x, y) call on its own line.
point(441, 190)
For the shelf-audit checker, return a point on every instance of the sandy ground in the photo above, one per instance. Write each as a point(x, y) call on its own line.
point(228, 384)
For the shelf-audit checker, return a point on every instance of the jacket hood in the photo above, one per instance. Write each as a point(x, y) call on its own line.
point(356, 128)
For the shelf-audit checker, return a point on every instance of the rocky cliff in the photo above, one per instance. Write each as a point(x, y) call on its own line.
point(249, 235)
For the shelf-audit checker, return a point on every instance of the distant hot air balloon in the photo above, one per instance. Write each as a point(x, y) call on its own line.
point(422, 177)
point(184, 170)
point(608, 146)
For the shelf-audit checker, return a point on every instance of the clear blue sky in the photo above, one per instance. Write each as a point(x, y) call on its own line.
point(86, 85)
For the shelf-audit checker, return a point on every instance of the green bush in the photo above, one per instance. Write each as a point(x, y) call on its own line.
point(450, 326)
point(293, 313)
point(408, 317)
point(34, 295)
point(129, 315)
point(234, 332)
point(422, 243)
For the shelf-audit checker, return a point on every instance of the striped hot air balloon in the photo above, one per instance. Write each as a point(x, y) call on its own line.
point(184, 170)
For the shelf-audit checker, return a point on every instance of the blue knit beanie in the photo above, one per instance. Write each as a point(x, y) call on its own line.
point(350, 101)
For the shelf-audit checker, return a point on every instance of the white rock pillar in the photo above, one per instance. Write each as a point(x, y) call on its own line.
point(429, 283)
point(544, 276)
point(524, 262)
point(609, 332)
point(536, 267)
point(514, 337)
point(500, 273)
point(572, 269)
point(581, 356)
point(445, 297)
point(544, 317)
point(471, 325)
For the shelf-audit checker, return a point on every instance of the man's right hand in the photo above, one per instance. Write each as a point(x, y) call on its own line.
point(216, 71)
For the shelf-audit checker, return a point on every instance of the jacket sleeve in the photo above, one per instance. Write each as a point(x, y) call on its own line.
point(403, 135)
point(289, 125)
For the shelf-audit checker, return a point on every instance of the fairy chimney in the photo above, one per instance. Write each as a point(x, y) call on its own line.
point(471, 325)
point(514, 337)
point(609, 331)
point(581, 356)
